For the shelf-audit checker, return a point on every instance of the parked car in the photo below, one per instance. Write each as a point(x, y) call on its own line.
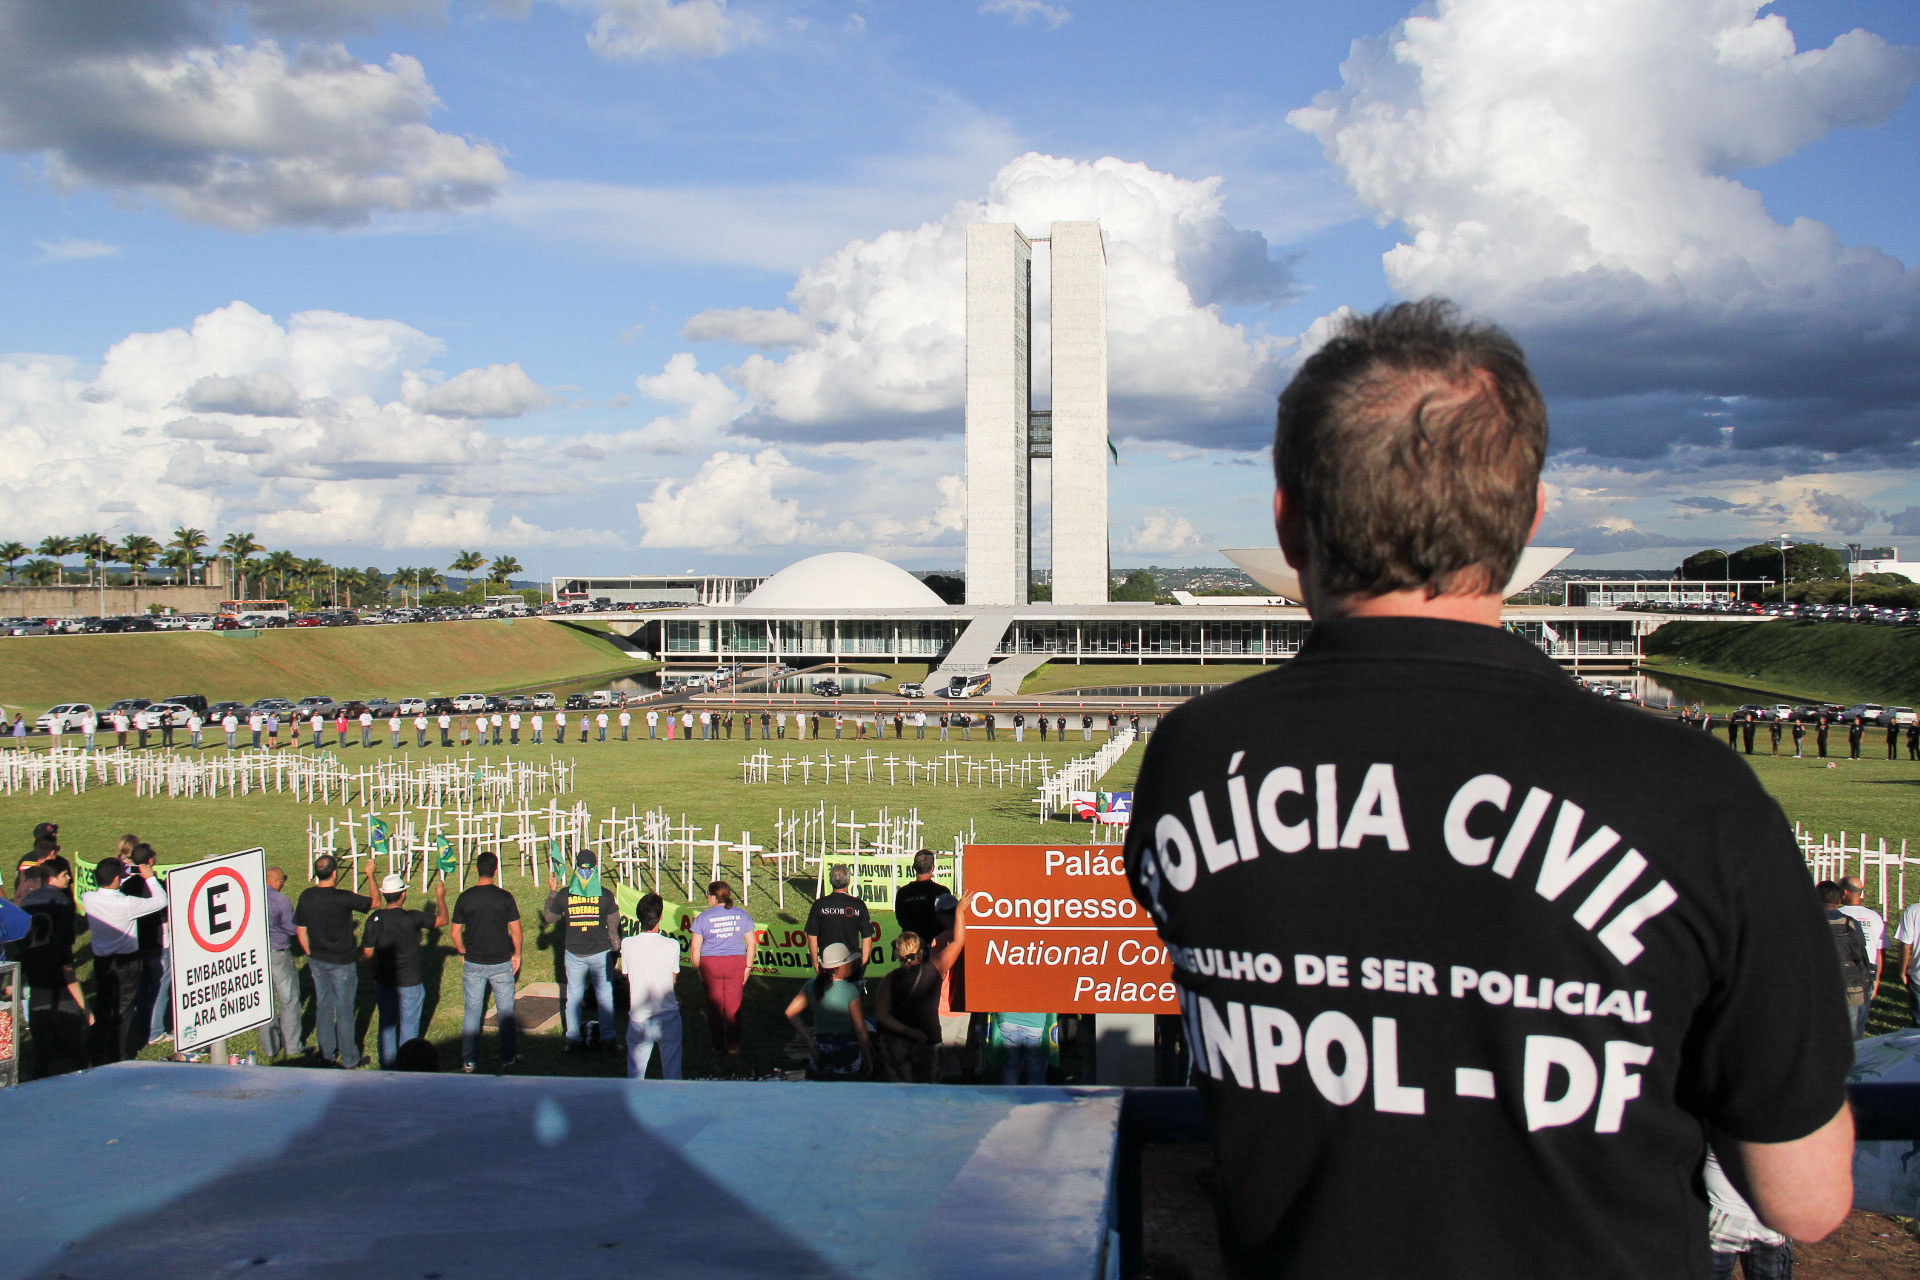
point(913, 689)
point(826, 688)
point(576, 702)
point(169, 713)
point(543, 702)
point(68, 717)
point(470, 702)
point(127, 706)
point(1862, 713)
point(221, 710)
point(379, 706)
point(439, 707)
point(274, 706)
point(1780, 711)
point(411, 706)
point(1754, 709)
point(313, 703)
point(197, 701)
point(1903, 715)
point(519, 702)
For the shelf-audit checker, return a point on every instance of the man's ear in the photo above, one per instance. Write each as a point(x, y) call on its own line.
point(1539, 509)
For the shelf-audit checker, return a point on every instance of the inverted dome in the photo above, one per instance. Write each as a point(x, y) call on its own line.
point(1268, 566)
point(842, 580)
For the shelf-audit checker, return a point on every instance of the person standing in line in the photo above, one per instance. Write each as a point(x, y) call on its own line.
point(653, 724)
point(1773, 732)
point(273, 730)
point(782, 725)
point(420, 730)
point(1133, 723)
point(256, 725)
point(466, 734)
point(340, 727)
point(112, 918)
point(487, 936)
point(120, 723)
point(721, 938)
point(89, 728)
point(323, 917)
point(945, 720)
point(140, 722)
point(319, 726)
point(592, 922)
point(837, 1043)
point(990, 726)
point(1407, 461)
point(766, 721)
point(686, 726)
point(746, 725)
point(1820, 734)
point(395, 727)
point(445, 724)
point(1019, 726)
point(166, 731)
point(1799, 734)
point(1733, 731)
point(1086, 728)
point(1856, 731)
point(672, 720)
point(539, 725)
point(281, 1038)
point(1893, 738)
point(1023, 1040)
point(482, 727)
point(899, 726)
point(560, 727)
point(726, 722)
point(1907, 934)
point(57, 1014)
point(497, 722)
point(513, 728)
point(1747, 726)
point(840, 917)
point(913, 902)
point(965, 723)
point(293, 732)
point(1060, 727)
point(836, 727)
point(1873, 931)
point(1043, 727)
point(194, 725)
point(391, 942)
point(366, 730)
point(651, 962)
point(1913, 741)
point(1113, 723)
point(600, 722)
point(151, 1007)
point(626, 722)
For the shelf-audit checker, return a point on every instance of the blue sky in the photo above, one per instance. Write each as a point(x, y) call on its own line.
point(631, 284)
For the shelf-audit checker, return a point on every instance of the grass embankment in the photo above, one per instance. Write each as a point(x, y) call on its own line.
point(341, 662)
point(1829, 661)
point(698, 782)
point(1098, 675)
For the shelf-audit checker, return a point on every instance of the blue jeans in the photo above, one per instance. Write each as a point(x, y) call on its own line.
point(156, 985)
point(1026, 1054)
point(580, 971)
point(334, 989)
point(1758, 1262)
point(474, 981)
point(662, 1029)
point(399, 1017)
point(281, 1037)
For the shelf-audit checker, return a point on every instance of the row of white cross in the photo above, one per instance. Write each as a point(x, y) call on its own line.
point(951, 768)
point(1879, 867)
point(1080, 774)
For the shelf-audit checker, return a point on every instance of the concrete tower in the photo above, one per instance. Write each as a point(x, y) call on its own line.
point(999, 402)
point(1079, 278)
point(1005, 433)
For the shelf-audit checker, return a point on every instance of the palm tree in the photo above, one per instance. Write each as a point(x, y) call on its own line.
point(136, 553)
point(504, 567)
point(176, 562)
point(189, 541)
point(282, 565)
point(58, 548)
point(12, 553)
point(313, 575)
point(41, 572)
point(349, 579)
point(469, 563)
point(95, 547)
point(236, 547)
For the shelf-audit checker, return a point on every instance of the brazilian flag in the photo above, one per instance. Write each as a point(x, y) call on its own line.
point(449, 861)
point(377, 834)
point(585, 883)
point(556, 860)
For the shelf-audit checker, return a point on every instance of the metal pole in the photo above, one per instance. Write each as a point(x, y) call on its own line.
point(217, 1052)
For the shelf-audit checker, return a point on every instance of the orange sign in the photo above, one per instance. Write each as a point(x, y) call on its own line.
point(1057, 930)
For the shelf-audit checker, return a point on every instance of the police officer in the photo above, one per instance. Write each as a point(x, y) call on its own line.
point(1820, 734)
point(1855, 732)
point(1773, 731)
point(1746, 732)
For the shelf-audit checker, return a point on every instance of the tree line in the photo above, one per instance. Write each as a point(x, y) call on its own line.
point(252, 568)
point(1811, 572)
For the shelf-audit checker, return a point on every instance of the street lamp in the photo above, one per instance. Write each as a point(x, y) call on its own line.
point(1729, 558)
point(1784, 544)
point(1853, 554)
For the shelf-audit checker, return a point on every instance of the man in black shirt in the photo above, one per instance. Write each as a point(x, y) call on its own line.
point(840, 917)
point(1576, 959)
point(913, 901)
point(57, 1011)
point(592, 917)
point(392, 943)
point(1855, 731)
point(324, 920)
point(486, 933)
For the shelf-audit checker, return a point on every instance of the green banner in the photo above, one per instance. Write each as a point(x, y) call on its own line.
point(83, 881)
point(779, 951)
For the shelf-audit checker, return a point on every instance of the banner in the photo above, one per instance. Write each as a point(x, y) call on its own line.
point(779, 950)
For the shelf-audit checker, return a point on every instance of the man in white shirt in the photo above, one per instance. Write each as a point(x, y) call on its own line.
point(446, 723)
point(626, 719)
point(89, 727)
point(496, 721)
point(1853, 904)
point(651, 962)
point(393, 731)
point(1908, 936)
point(513, 729)
point(653, 724)
point(420, 730)
point(230, 725)
point(600, 723)
point(539, 725)
point(194, 725)
point(116, 957)
point(366, 730)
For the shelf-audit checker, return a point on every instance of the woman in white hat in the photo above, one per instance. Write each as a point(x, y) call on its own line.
point(837, 1044)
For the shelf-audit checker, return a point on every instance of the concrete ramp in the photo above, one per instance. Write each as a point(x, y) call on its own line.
point(974, 650)
point(1009, 672)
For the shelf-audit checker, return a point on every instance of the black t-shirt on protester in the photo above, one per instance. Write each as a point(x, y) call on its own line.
point(393, 934)
point(913, 995)
point(839, 917)
point(483, 914)
point(913, 908)
point(327, 916)
point(1494, 991)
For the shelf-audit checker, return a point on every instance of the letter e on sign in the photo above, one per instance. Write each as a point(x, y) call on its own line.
point(218, 908)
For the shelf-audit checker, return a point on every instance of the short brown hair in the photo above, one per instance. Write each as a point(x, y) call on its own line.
point(1412, 445)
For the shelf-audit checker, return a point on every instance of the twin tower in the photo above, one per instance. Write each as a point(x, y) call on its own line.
point(1005, 433)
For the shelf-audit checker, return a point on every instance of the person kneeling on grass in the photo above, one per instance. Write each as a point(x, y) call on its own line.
point(651, 962)
point(837, 1043)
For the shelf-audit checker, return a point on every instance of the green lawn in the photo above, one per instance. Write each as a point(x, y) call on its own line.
point(341, 662)
point(1056, 676)
point(1833, 661)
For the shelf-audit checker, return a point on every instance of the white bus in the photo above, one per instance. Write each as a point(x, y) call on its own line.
point(255, 608)
point(967, 686)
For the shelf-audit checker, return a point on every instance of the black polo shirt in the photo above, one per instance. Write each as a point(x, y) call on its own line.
point(839, 917)
point(393, 935)
point(913, 908)
point(327, 915)
point(1463, 1012)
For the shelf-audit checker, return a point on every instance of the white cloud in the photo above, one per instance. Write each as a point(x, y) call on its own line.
point(497, 391)
point(263, 393)
point(885, 318)
point(708, 406)
point(244, 136)
point(1028, 10)
point(733, 502)
point(69, 249)
point(777, 328)
point(1571, 170)
point(1162, 533)
point(637, 29)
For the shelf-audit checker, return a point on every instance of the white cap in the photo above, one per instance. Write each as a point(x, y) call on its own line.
point(393, 884)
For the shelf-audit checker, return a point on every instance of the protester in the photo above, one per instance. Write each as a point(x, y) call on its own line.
point(651, 962)
point(837, 1043)
point(391, 941)
point(112, 917)
point(840, 917)
point(152, 1008)
point(722, 936)
point(281, 1038)
point(1407, 455)
point(592, 922)
point(913, 901)
point(324, 920)
point(1873, 930)
point(57, 1013)
point(487, 936)
point(1850, 945)
point(907, 1010)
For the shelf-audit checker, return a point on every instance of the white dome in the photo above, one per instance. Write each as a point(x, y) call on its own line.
point(842, 580)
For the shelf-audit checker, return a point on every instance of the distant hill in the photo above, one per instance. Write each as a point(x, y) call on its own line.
point(1838, 661)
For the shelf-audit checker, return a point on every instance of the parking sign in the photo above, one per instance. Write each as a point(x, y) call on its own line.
point(217, 916)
